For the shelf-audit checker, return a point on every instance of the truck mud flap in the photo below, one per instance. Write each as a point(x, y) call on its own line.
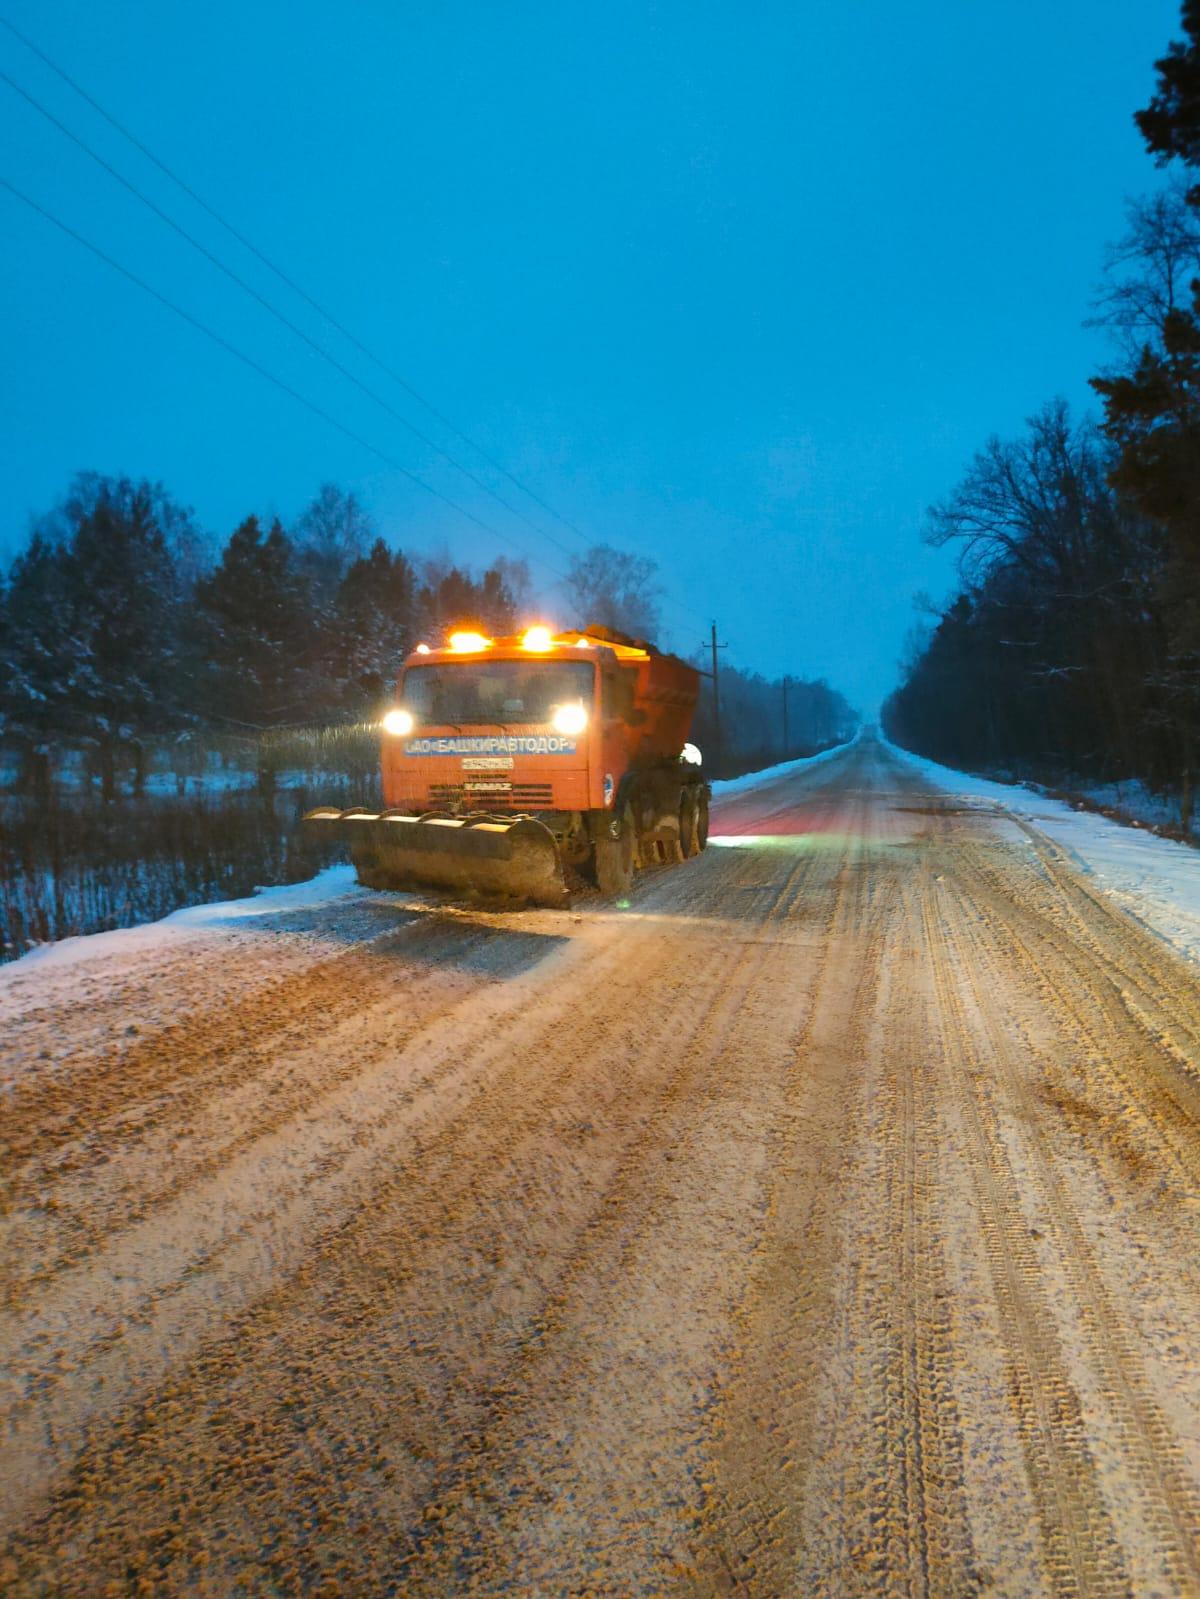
point(513, 856)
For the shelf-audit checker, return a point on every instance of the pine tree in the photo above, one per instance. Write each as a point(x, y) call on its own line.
point(90, 632)
point(371, 629)
point(1170, 124)
point(257, 632)
point(1153, 413)
point(35, 657)
point(452, 598)
point(121, 624)
point(90, 647)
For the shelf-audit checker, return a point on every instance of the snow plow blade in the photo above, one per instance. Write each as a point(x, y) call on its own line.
point(511, 855)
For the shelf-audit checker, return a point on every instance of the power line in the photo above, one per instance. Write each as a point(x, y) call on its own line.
point(272, 266)
point(315, 305)
point(273, 310)
point(262, 371)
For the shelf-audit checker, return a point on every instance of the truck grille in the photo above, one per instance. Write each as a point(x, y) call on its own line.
point(520, 797)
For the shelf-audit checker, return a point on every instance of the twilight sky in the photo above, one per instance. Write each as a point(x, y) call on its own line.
point(740, 284)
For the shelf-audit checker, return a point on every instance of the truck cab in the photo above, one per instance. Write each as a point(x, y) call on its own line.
point(535, 723)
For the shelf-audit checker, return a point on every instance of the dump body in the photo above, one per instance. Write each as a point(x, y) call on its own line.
point(508, 761)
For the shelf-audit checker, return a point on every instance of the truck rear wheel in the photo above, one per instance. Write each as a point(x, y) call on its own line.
point(613, 854)
point(701, 820)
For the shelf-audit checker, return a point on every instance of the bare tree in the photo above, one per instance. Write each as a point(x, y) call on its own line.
point(332, 532)
point(518, 584)
point(616, 590)
point(1030, 502)
point(1150, 270)
point(1052, 658)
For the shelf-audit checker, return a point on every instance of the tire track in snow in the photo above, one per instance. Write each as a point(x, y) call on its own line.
point(1149, 1452)
point(1082, 1553)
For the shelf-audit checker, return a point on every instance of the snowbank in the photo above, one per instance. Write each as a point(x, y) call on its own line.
point(1155, 879)
point(735, 785)
point(335, 882)
point(1132, 800)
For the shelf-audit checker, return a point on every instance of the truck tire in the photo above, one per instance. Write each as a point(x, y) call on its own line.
point(689, 824)
point(614, 853)
point(701, 820)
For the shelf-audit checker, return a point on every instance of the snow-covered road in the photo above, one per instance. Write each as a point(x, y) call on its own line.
point(1155, 880)
point(823, 1222)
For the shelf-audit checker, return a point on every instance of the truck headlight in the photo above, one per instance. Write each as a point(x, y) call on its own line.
point(569, 719)
point(398, 723)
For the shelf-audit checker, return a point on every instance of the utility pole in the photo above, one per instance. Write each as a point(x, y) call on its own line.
point(716, 683)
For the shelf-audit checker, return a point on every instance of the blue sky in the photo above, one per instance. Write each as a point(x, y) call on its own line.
point(740, 285)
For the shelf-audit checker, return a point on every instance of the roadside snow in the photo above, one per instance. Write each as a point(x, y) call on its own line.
point(1133, 800)
point(335, 882)
point(1155, 879)
point(735, 785)
point(331, 883)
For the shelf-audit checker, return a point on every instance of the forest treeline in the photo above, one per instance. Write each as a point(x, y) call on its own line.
point(122, 623)
point(766, 720)
point(1072, 650)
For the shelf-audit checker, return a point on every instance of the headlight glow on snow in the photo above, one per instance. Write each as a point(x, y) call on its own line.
point(569, 719)
point(398, 722)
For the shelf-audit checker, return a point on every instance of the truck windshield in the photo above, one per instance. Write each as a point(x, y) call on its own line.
point(495, 692)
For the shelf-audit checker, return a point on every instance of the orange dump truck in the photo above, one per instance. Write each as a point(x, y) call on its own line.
point(513, 765)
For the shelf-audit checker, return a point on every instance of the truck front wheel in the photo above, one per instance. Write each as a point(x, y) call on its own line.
point(614, 852)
